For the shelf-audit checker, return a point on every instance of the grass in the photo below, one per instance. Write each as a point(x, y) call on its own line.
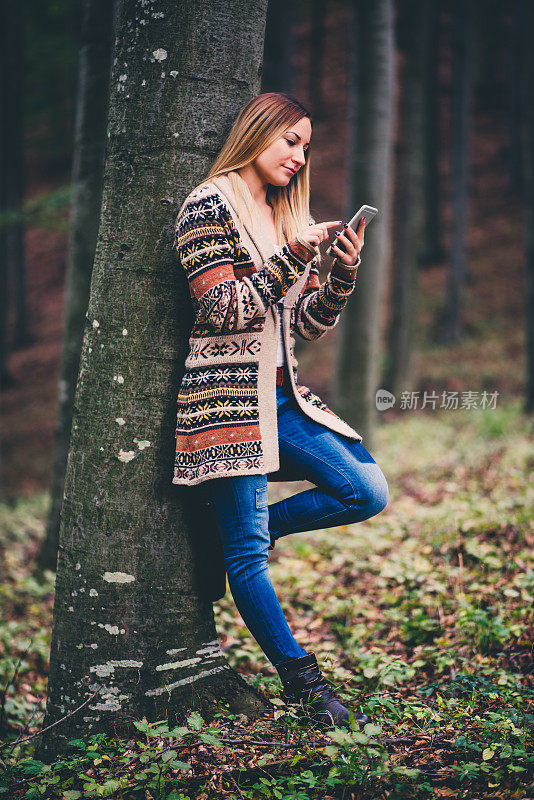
point(421, 616)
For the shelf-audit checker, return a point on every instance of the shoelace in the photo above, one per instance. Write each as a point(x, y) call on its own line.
point(315, 685)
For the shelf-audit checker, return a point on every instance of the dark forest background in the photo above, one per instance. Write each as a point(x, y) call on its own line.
point(307, 52)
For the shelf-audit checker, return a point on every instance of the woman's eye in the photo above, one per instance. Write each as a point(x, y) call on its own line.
point(290, 141)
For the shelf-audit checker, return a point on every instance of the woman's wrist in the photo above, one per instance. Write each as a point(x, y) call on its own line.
point(299, 250)
point(343, 270)
point(312, 249)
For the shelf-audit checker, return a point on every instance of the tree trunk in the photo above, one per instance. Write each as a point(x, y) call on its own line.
point(129, 620)
point(407, 227)
point(433, 251)
point(357, 366)
point(87, 175)
point(528, 54)
point(450, 327)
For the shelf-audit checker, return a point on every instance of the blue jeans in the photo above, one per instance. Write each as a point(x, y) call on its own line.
point(348, 487)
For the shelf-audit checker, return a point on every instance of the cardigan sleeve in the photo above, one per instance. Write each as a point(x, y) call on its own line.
point(318, 308)
point(227, 303)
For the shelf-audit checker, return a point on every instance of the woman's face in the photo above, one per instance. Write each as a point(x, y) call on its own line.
point(286, 155)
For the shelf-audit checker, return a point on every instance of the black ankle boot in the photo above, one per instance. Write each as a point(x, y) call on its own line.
point(302, 680)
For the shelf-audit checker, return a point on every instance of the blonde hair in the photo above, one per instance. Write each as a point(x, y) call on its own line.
point(259, 123)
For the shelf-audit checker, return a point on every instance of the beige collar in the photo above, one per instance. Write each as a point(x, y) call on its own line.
point(264, 245)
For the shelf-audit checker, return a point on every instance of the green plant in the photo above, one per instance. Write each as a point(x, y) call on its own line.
point(488, 632)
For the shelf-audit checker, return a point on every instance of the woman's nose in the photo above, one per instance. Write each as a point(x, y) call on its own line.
point(299, 157)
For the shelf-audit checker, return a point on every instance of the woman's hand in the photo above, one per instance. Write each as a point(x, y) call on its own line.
point(315, 234)
point(352, 242)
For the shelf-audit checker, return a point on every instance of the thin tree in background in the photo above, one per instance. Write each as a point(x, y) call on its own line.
point(278, 73)
point(87, 175)
point(15, 168)
point(132, 634)
point(5, 377)
point(450, 325)
point(515, 97)
point(411, 27)
point(487, 49)
point(528, 55)
point(433, 251)
point(12, 180)
point(317, 52)
point(357, 367)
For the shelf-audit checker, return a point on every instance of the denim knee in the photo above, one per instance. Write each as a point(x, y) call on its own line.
point(371, 496)
point(380, 493)
point(249, 564)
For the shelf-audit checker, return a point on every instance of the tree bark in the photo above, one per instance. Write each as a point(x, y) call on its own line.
point(87, 175)
point(357, 366)
point(407, 227)
point(129, 618)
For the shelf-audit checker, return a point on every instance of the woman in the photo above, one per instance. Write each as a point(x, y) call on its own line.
point(250, 251)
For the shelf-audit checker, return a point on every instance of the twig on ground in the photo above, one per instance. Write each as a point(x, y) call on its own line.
point(74, 711)
point(26, 726)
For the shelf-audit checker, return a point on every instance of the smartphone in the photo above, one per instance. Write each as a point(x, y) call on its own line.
point(365, 212)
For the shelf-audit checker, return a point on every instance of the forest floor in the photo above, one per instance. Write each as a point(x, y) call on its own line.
point(422, 617)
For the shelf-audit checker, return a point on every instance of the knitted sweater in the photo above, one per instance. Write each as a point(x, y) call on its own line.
point(226, 405)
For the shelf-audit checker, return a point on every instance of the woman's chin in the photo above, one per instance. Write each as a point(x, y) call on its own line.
point(282, 181)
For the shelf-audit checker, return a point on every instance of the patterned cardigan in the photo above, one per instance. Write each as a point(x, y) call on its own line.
point(226, 406)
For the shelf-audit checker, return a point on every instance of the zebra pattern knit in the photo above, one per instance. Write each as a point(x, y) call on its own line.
point(226, 406)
